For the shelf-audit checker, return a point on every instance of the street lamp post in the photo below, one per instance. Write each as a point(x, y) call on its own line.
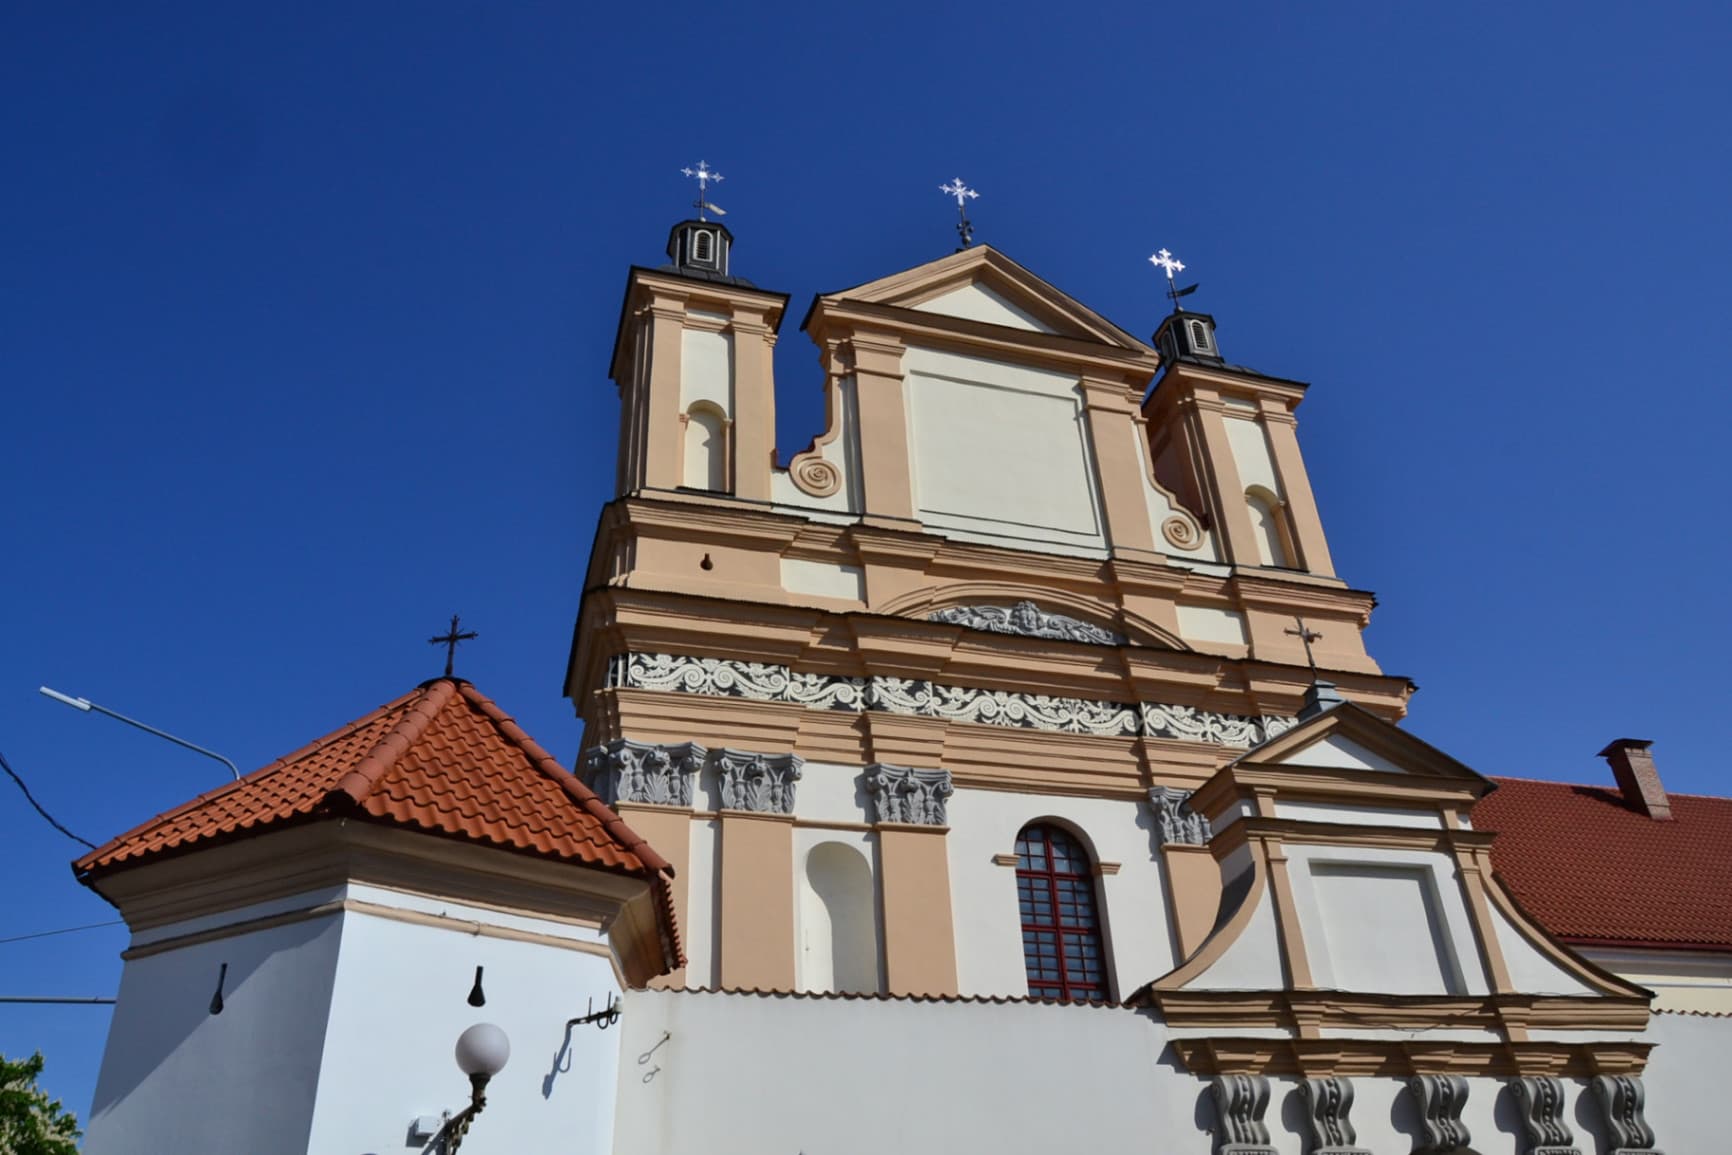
point(87, 705)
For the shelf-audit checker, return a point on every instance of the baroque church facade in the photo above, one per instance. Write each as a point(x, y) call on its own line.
point(1006, 772)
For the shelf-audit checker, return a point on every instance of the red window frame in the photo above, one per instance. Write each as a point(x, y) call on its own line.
point(1062, 948)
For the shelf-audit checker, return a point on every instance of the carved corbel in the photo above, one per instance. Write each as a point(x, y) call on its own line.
point(761, 783)
point(627, 771)
point(1327, 1102)
point(1440, 1099)
point(901, 794)
point(1240, 1101)
point(1179, 823)
point(1622, 1099)
point(1542, 1100)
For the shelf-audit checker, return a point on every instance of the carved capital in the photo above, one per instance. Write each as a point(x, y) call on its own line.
point(1240, 1101)
point(1622, 1099)
point(1027, 620)
point(1327, 1102)
point(762, 783)
point(1440, 1099)
point(1542, 1100)
point(627, 771)
point(1179, 823)
point(905, 795)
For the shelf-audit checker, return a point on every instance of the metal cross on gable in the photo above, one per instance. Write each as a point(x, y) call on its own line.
point(704, 174)
point(1307, 635)
point(963, 195)
point(450, 640)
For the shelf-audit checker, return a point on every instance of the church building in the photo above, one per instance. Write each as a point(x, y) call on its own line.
point(1005, 772)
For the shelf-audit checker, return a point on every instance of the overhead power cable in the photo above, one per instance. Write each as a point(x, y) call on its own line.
point(66, 930)
point(31, 798)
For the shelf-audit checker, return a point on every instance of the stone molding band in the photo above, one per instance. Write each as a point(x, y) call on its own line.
point(768, 682)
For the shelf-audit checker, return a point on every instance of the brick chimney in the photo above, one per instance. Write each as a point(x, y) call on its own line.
point(1633, 767)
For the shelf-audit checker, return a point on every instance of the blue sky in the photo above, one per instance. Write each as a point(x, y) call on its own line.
point(306, 310)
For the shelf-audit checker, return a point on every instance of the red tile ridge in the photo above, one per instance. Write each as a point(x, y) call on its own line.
point(1606, 788)
point(355, 786)
point(583, 795)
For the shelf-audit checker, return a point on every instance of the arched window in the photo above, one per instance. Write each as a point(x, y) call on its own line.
point(1266, 526)
point(838, 922)
point(1061, 928)
point(706, 459)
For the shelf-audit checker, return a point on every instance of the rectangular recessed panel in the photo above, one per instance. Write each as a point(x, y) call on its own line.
point(1383, 930)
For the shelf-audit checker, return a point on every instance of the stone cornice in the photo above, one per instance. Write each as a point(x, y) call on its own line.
point(1307, 1013)
point(1315, 1058)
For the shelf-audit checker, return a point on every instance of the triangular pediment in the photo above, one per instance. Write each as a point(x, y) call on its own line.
point(1347, 737)
point(983, 285)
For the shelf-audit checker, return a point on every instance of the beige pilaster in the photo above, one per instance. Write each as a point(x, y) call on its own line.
point(1193, 893)
point(1302, 515)
point(1223, 489)
point(669, 830)
point(1472, 866)
point(659, 396)
point(919, 934)
point(1287, 917)
point(754, 440)
point(757, 907)
point(1110, 408)
point(883, 410)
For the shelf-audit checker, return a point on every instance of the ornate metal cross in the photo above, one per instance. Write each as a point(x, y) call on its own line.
point(703, 174)
point(449, 640)
point(963, 195)
point(1170, 263)
point(1306, 635)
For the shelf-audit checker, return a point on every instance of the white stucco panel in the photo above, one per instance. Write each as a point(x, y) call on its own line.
point(707, 369)
point(1000, 449)
point(823, 579)
point(1251, 453)
point(977, 302)
point(1209, 624)
point(1333, 752)
point(1531, 971)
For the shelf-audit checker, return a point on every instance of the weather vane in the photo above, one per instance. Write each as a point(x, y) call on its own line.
point(963, 195)
point(1172, 264)
point(704, 175)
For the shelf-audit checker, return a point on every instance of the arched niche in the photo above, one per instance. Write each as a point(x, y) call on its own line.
point(838, 921)
point(706, 459)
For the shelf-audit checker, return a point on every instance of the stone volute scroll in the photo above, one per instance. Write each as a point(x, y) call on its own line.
point(1025, 619)
point(1440, 1099)
point(1179, 824)
point(1327, 1102)
point(628, 771)
point(1240, 1101)
point(1622, 1099)
point(901, 794)
point(1542, 1103)
point(760, 783)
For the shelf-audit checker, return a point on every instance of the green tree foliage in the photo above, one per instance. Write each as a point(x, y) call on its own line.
point(30, 1122)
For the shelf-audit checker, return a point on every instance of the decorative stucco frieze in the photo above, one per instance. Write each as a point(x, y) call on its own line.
point(1240, 1101)
point(1180, 825)
point(1440, 1099)
point(1327, 1102)
point(1542, 1102)
point(1622, 1099)
point(761, 783)
point(901, 794)
point(1027, 620)
point(766, 682)
point(627, 771)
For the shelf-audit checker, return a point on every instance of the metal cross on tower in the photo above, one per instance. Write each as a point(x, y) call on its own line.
point(449, 640)
point(1306, 635)
point(963, 195)
point(703, 174)
point(1170, 263)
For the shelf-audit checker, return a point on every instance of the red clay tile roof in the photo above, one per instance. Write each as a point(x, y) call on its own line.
point(1595, 872)
point(442, 759)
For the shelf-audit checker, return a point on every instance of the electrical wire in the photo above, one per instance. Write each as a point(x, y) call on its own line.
point(31, 798)
point(67, 930)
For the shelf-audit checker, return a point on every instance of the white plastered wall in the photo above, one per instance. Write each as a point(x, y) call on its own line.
point(1530, 970)
point(1681, 980)
point(1000, 453)
point(338, 1030)
point(977, 302)
point(1133, 902)
point(1333, 752)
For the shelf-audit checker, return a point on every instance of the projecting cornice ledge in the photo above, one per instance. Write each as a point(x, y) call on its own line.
point(1308, 1013)
point(1323, 1058)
